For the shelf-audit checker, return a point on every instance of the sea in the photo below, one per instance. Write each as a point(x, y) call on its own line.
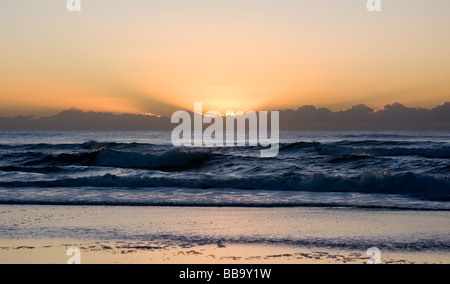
point(406, 170)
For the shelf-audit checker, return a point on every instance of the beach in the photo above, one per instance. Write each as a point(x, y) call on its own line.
point(132, 197)
point(224, 132)
point(177, 235)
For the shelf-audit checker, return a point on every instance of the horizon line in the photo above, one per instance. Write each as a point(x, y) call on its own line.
point(153, 114)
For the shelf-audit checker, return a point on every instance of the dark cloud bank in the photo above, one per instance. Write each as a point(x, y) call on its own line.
point(360, 117)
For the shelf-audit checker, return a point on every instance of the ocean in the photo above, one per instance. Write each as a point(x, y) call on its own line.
point(365, 170)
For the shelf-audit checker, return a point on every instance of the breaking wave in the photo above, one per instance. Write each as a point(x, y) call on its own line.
point(409, 184)
point(413, 169)
point(171, 159)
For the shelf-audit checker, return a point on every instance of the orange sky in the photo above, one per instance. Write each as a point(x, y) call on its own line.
point(159, 56)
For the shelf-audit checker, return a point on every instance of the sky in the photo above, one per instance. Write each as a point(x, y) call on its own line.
point(140, 56)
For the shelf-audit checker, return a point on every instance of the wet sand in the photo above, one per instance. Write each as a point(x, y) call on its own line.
point(54, 252)
point(43, 234)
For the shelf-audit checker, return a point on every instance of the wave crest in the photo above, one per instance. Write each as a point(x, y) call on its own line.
point(174, 159)
point(408, 184)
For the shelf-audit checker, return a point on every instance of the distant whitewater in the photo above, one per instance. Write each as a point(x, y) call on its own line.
point(390, 170)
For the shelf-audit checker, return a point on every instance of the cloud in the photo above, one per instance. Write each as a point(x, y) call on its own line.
point(75, 119)
point(362, 117)
point(359, 117)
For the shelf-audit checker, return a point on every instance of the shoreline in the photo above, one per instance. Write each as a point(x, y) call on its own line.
point(182, 235)
point(238, 206)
